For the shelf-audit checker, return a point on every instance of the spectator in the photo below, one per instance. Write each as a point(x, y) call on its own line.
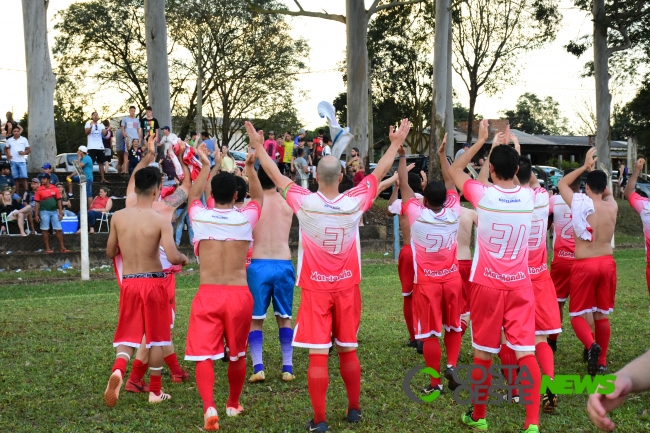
point(95, 130)
point(360, 174)
point(12, 208)
point(47, 168)
point(622, 179)
point(28, 196)
point(301, 134)
point(209, 143)
point(101, 204)
point(288, 153)
point(129, 126)
point(355, 160)
point(193, 139)
point(16, 149)
point(10, 125)
point(319, 140)
point(167, 165)
point(301, 168)
point(181, 224)
point(7, 180)
point(554, 178)
point(271, 146)
point(462, 150)
point(280, 155)
point(149, 127)
point(318, 152)
point(327, 145)
point(480, 163)
point(135, 154)
point(167, 140)
point(227, 161)
point(107, 141)
point(86, 164)
point(49, 212)
point(65, 201)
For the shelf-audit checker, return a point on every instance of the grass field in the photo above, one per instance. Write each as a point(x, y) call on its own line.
point(56, 355)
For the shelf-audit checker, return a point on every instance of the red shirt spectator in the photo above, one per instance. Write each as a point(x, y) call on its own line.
point(358, 177)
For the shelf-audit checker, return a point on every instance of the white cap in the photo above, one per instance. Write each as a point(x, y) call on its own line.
point(84, 149)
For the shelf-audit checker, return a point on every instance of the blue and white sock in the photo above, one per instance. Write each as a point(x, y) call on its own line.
point(255, 340)
point(286, 338)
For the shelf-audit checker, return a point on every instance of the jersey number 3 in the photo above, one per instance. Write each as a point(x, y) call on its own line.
point(509, 242)
point(334, 241)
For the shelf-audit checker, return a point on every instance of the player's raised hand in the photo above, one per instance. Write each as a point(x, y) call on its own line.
point(498, 140)
point(256, 137)
point(483, 130)
point(203, 154)
point(401, 151)
point(151, 144)
point(398, 137)
point(443, 146)
point(250, 160)
point(639, 164)
point(410, 167)
point(590, 161)
point(515, 142)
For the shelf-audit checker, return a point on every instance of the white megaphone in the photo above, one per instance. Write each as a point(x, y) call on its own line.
point(341, 137)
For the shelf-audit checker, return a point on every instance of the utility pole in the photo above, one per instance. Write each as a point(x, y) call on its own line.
point(199, 93)
point(371, 141)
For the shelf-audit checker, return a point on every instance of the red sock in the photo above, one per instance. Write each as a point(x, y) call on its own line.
point(155, 384)
point(507, 356)
point(603, 332)
point(453, 340)
point(463, 327)
point(174, 366)
point(582, 330)
point(236, 378)
point(205, 382)
point(480, 405)
point(432, 354)
point(351, 374)
point(318, 380)
point(119, 364)
point(138, 370)
point(531, 395)
point(545, 358)
point(553, 337)
point(408, 315)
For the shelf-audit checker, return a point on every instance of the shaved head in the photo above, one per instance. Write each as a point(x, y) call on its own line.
point(328, 171)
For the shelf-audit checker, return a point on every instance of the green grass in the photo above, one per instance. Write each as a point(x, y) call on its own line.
point(56, 355)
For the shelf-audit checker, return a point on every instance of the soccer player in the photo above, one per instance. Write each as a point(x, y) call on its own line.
point(329, 269)
point(468, 219)
point(144, 301)
point(437, 288)
point(223, 306)
point(593, 275)
point(642, 206)
point(501, 295)
point(271, 277)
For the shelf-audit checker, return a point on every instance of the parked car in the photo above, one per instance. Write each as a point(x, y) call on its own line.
point(643, 185)
point(64, 163)
point(240, 158)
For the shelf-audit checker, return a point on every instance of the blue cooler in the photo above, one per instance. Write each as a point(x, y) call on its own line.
point(69, 224)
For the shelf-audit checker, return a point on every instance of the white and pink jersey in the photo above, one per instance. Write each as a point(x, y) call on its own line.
point(537, 253)
point(433, 239)
point(223, 224)
point(642, 206)
point(504, 220)
point(329, 253)
point(564, 244)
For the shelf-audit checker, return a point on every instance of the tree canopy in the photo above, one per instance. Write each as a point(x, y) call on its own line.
point(533, 115)
point(633, 119)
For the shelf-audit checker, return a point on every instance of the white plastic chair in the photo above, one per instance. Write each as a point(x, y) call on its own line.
point(104, 219)
point(5, 221)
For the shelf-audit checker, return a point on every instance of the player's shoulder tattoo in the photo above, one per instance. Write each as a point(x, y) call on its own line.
point(176, 199)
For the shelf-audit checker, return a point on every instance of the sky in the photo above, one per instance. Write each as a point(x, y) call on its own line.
point(549, 71)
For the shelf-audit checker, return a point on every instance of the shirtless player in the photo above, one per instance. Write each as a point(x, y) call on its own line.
point(593, 276)
point(144, 302)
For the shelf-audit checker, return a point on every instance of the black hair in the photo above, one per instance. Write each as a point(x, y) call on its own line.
point(192, 133)
point(300, 152)
point(265, 180)
point(147, 179)
point(525, 170)
point(435, 193)
point(576, 183)
point(505, 161)
point(224, 186)
point(597, 181)
point(346, 184)
point(327, 139)
point(205, 134)
point(148, 108)
point(301, 139)
point(132, 106)
point(320, 132)
point(241, 189)
point(552, 172)
point(415, 182)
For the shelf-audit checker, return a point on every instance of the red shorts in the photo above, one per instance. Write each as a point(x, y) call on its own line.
point(435, 305)
point(170, 282)
point(495, 309)
point(465, 269)
point(323, 315)
point(561, 275)
point(144, 309)
point(219, 311)
point(406, 270)
point(593, 285)
point(547, 313)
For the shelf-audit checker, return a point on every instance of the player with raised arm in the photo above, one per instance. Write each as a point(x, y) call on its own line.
point(329, 269)
point(593, 275)
point(144, 302)
point(642, 206)
point(437, 288)
point(223, 306)
point(501, 295)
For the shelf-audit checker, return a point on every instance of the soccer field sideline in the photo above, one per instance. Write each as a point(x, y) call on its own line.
point(57, 352)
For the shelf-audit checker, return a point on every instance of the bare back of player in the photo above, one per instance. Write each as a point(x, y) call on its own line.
point(468, 219)
point(603, 223)
point(272, 231)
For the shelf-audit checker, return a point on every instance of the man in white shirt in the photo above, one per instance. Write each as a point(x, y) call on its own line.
point(167, 140)
point(461, 151)
point(16, 149)
point(95, 130)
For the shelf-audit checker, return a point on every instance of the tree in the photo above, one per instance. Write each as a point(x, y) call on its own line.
point(490, 37)
point(69, 118)
point(537, 116)
point(40, 84)
point(157, 64)
point(633, 119)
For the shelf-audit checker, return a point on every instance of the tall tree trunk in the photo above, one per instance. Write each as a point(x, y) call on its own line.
point(439, 108)
point(157, 65)
point(449, 117)
point(357, 60)
point(603, 97)
point(473, 94)
point(40, 84)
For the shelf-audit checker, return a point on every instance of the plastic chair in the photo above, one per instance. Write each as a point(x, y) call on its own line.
point(5, 221)
point(104, 219)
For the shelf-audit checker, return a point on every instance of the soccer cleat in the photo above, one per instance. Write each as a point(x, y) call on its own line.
point(412, 343)
point(420, 348)
point(451, 382)
point(211, 419)
point(552, 344)
point(288, 377)
point(602, 370)
point(178, 378)
point(592, 359)
point(140, 386)
point(549, 402)
point(430, 388)
point(234, 411)
point(585, 355)
point(515, 398)
point(532, 428)
point(112, 392)
point(468, 420)
point(353, 415)
point(153, 398)
point(257, 377)
point(320, 427)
